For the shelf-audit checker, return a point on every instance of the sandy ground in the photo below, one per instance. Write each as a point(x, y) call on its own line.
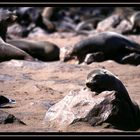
point(37, 85)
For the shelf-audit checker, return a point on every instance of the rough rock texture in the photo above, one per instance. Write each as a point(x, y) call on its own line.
point(86, 106)
point(108, 23)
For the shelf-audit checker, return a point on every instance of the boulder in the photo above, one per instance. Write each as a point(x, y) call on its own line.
point(109, 23)
point(96, 109)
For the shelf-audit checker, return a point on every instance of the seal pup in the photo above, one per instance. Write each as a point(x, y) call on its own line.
point(4, 101)
point(8, 52)
point(42, 50)
point(111, 44)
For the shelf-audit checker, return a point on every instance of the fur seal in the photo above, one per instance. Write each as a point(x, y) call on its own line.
point(8, 52)
point(7, 18)
point(42, 50)
point(89, 23)
point(100, 80)
point(113, 45)
point(46, 17)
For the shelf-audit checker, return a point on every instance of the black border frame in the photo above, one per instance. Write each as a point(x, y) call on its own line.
point(75, 3)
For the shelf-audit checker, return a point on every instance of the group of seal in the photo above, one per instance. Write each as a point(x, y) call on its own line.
point(23, 49)
point(109, 45)
point(8, 51)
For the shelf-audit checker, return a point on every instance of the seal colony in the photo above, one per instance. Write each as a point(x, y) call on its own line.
point(113, 46)
point(23, 49)
point(7, 51)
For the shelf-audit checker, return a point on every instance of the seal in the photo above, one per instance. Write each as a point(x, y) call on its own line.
point(42, 50)
point(100, 80)
point(7, 18)
point(46, 17)
point(8, 52)
point(112, 45)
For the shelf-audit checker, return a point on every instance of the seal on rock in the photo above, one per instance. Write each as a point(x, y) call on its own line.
point(100, 80)
point(113, 46)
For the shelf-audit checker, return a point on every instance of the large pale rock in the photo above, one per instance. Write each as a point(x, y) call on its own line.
point(124, 27)
point(109, 23)
point(96, 109)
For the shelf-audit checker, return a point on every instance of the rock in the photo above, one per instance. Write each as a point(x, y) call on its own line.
point(6, 118)
point(15, 31)
point(124, 27)
point(109, 23)
point(96, 109)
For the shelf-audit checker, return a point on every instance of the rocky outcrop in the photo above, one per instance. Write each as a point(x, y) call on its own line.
point(96, 109)
point(104, 101)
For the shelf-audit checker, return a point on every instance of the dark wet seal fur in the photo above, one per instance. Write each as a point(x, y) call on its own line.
point(100, 80)
point(42, 50)
point(110, 43)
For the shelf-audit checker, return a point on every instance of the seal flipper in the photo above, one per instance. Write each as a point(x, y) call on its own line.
point(4, 101)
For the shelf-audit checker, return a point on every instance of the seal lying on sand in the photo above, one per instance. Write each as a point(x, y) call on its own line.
point(100, 80)
point(8, 52)
point(112, 45)
point(42, 50)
